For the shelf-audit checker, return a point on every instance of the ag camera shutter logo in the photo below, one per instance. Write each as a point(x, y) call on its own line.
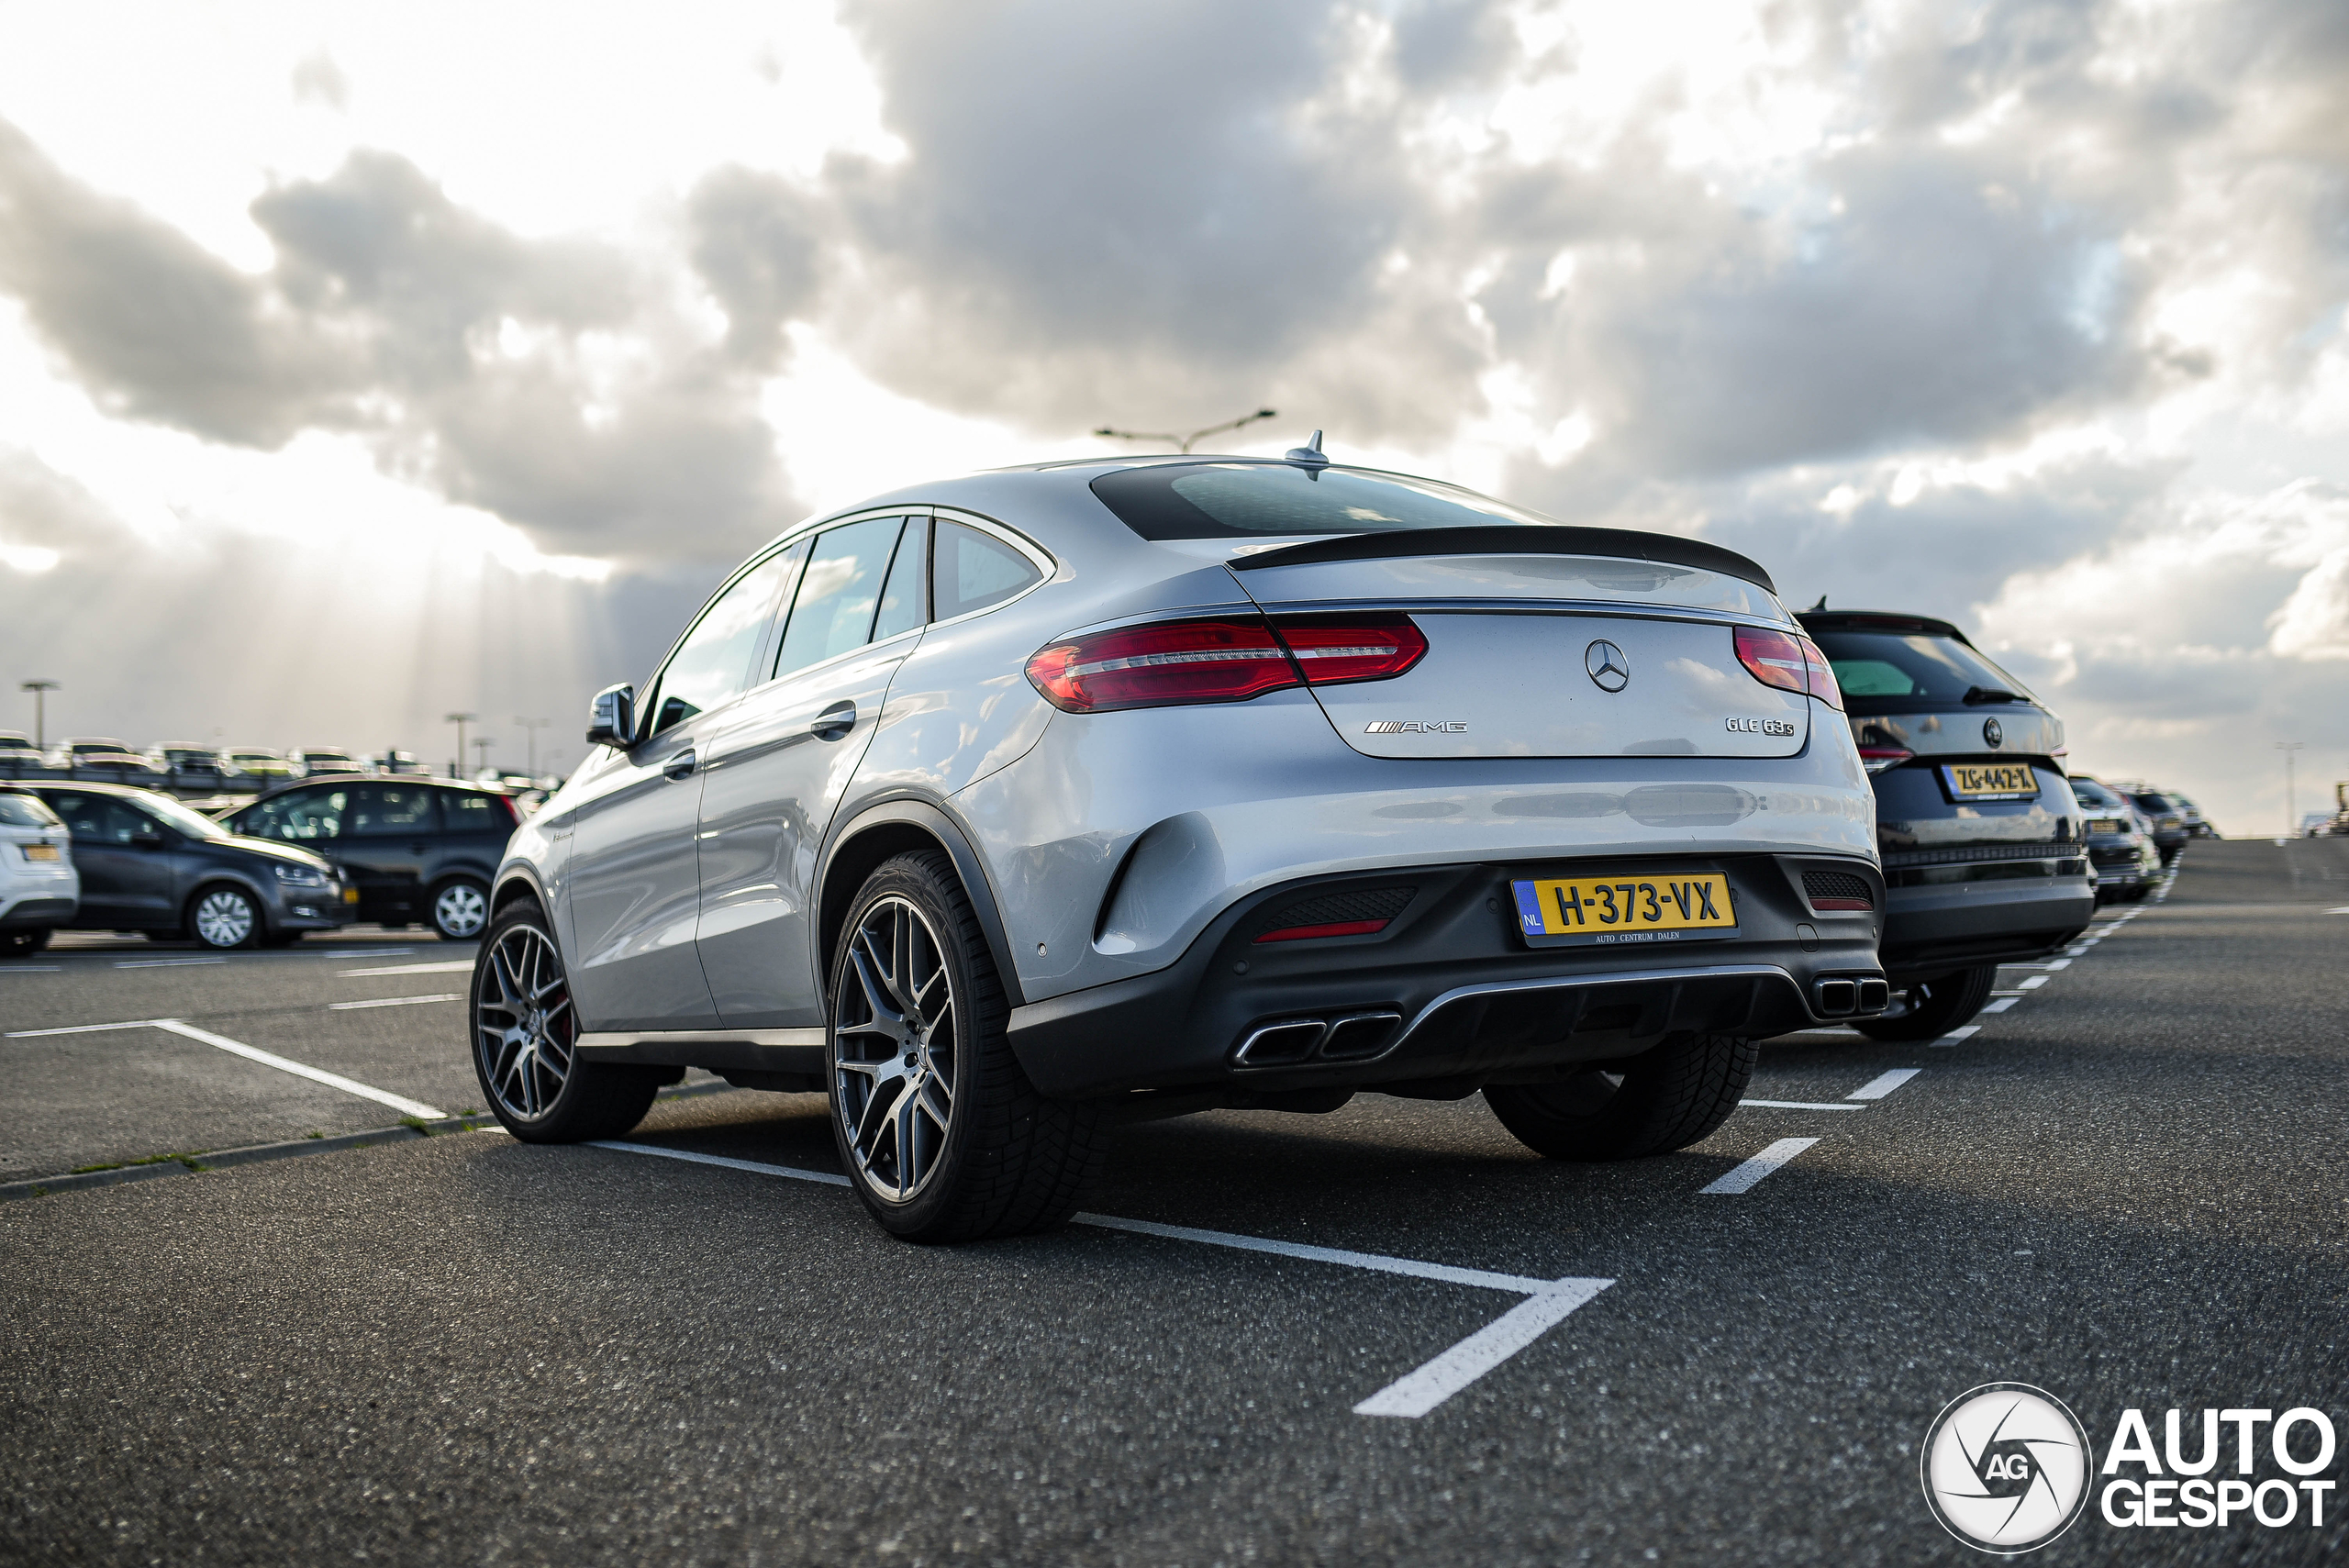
point(2005, 1468)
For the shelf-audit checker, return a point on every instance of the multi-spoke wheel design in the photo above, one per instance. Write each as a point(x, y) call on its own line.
point(523, 1025)
point(225, 917)
point(460, 911)
point(896, 1046)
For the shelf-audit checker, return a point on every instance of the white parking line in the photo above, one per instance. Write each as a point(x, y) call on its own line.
point(2032, 983)
point(1960, 1034)
point(165, 963)
point(1800, 1105)
point(1743, 1178)
point(2342, 910)
point(392, 1002)
point(30, 969)
point(2000, 1004)
point(400, 1102)
point(462, 966)
point(362, 952)
point(2051, 966)
point(1422, 1390)
point(1415, 1394)
point(1884, 1083)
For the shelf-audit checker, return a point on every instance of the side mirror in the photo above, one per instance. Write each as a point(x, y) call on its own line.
point(611, 718)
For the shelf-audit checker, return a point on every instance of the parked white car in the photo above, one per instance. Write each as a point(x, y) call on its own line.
point(39, 890)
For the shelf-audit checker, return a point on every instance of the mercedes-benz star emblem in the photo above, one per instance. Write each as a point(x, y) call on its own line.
point(1991, 733)
point(1610, 670)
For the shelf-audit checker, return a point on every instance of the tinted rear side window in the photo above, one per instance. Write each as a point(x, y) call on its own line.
point(385, 811)
point(974, 570)
point(1239, 500)
point(470, 813)
point(1890, 670)
point(300, 817)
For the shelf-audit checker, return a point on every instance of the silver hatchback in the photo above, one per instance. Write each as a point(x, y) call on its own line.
point(1006, 809)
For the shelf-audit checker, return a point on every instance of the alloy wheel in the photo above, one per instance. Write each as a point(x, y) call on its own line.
point(224, 919)
point(894, 1041)
point(524, 1028)
point(460, 911)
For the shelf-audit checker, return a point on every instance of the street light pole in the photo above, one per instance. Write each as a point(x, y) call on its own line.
point(484, 746)
point(460, 721)
point(40, 711)
point(1185, 443)
point(2291, 812)
point(531, 727)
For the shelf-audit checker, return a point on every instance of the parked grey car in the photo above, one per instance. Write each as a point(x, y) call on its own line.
point(1005, 808)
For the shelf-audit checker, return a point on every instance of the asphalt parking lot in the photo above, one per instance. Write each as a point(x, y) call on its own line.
point(1388, 1334)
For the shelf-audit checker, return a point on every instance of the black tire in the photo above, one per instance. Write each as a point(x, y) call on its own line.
point(1933, 1007)
point(223, 916)
point(1668, 1097)
point(1009, 1162)
point(460, 910)
point(23, 944)
point(537, 1085)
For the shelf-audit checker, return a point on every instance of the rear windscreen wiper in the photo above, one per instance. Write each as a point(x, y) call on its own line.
point(1991, 693)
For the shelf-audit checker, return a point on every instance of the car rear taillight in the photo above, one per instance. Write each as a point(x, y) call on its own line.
point(1334, 648)
point(1228, 659)
point(1225, 660)
point(1772, 657)
point(1875, 759)
point(1822, 676)
point(1789, 662)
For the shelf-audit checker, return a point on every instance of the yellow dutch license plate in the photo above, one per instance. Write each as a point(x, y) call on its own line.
point(1990, 781)
point(40, 851)
point(1598, 911)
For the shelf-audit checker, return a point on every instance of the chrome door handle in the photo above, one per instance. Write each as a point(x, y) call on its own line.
point(679, 766)
point(834, 722)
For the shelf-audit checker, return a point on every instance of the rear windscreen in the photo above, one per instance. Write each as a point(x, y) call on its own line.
point(2087, 792)
point(1885, 672)
point(25, 811)
point(1240, 500)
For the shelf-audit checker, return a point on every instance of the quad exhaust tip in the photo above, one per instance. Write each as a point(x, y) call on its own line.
point(1293, 1042)
point(1843, 996)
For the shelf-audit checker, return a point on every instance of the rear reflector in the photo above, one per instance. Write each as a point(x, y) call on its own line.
point(1229, 659)
point(1170, 663)
point(1333, 929)
point(1789, 662)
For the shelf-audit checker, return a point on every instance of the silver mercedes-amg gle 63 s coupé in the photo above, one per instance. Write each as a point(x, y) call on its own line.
point(1005, 810)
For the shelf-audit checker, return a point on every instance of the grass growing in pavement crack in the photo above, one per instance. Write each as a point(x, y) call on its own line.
point(186, 1157)
point(417, 1124)
point(314, 1135)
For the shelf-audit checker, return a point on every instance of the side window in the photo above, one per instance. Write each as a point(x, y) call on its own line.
point(101, 818)
point(839, 594)
point(713, 664)
point(384, 811)
point(974, 570)
point(468, 812)
point(301, 816)
point(901, 601)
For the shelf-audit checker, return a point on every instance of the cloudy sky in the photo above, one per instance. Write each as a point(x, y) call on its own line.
point(362, 363)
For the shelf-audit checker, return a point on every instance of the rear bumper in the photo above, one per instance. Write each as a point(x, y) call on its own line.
point(1448, 997)
point(1933, 928)
point(34, 914)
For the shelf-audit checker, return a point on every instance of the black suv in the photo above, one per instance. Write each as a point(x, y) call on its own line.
point(149, 864)
point(1985, 855)
point(417, 849)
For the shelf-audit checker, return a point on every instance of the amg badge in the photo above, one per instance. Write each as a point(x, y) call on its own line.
point(1415, 727)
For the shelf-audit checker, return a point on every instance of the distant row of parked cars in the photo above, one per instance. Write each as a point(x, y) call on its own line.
point(312, 855)
point(186, 769)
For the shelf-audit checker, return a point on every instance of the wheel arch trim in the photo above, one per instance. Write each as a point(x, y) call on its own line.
point(891, 817)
